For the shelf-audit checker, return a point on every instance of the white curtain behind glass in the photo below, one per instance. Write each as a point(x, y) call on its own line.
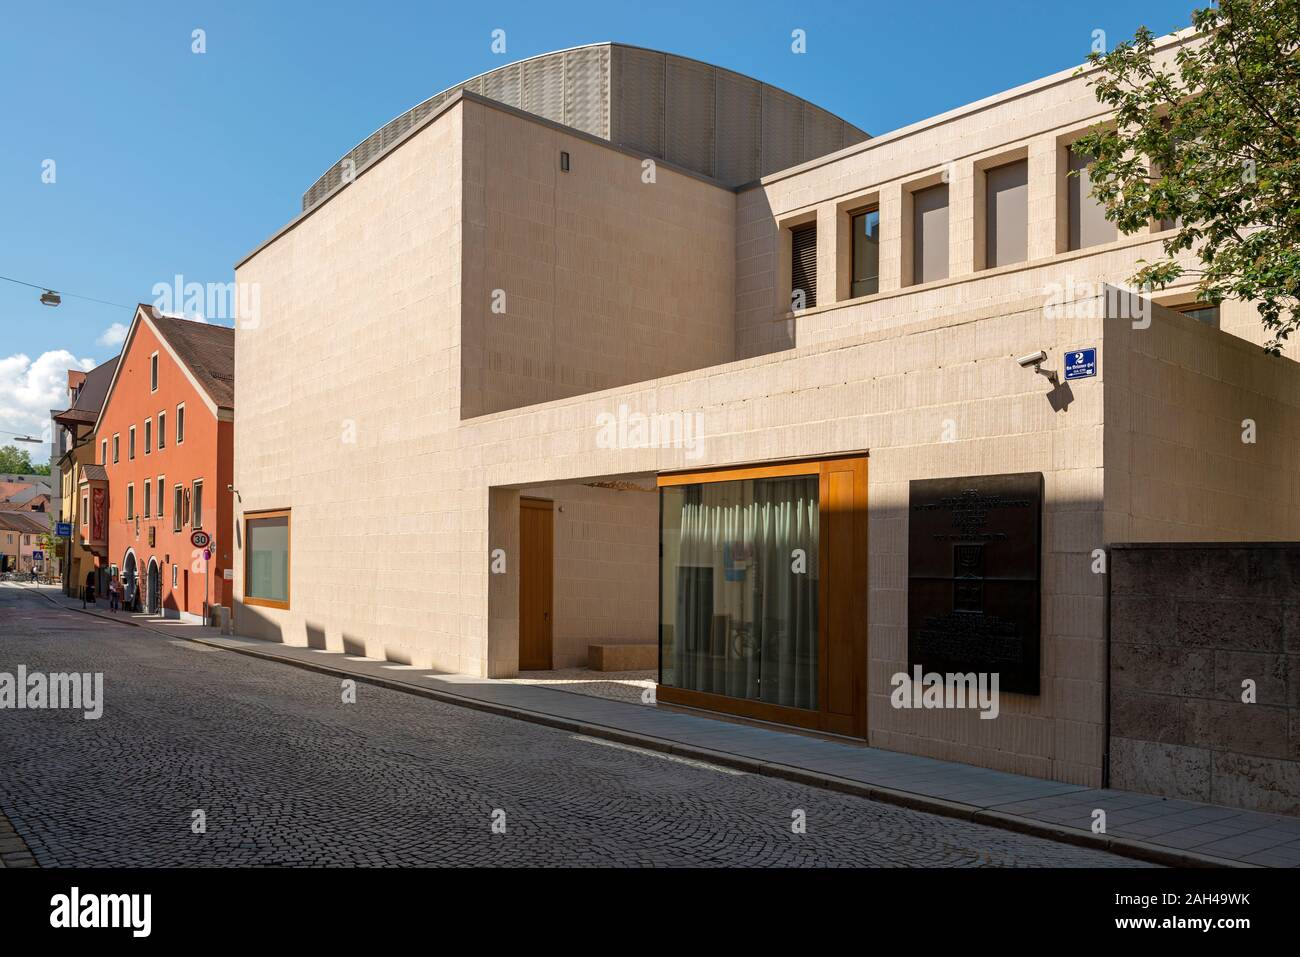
point(746, 611)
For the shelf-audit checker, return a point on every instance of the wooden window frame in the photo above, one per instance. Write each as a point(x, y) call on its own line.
point(180, 423)
point(821, 719)
point(153, 373)
point(287, 515)
point(853, 214)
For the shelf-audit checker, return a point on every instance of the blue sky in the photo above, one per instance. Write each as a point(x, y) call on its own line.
point(169, 162)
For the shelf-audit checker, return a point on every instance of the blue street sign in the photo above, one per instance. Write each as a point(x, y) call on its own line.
point(62, 529)
point(1080, 363)
point(38, 556)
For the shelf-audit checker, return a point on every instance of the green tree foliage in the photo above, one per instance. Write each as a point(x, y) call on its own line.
point(17, 461)
point(1208, 141)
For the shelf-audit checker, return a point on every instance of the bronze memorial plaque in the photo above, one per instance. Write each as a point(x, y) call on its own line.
point(973, 568)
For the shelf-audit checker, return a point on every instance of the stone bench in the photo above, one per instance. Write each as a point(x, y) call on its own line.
point(641, 657)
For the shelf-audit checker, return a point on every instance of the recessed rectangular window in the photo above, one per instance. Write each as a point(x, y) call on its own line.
point(148, 436)
point(103, 452)
point(153, 372)
point(85, 510)
point(117, 445)
point(866, 253)
point(803, 267)
point(130, 443)
point(180, 423)
point(162, 431)
point(148, 497)
point(175, 569)
point(197, 506)
point(930, 234)
point(1201, 312)
point(266, 559)
point(178, 507)
point(564, 160)
point(130, 502)
point(1088, 225)
point(1006, 214)
point(162, 493)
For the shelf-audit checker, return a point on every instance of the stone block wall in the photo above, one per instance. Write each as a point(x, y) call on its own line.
point(1189, 625)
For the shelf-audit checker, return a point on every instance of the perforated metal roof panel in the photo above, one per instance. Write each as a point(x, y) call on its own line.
point(698, 116)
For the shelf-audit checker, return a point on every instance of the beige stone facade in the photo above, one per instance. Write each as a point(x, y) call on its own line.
point(384, 400)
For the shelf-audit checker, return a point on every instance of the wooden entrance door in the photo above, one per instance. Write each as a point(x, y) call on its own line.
point(536, 575)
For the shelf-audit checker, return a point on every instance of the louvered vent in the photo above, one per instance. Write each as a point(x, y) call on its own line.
point(803, 263)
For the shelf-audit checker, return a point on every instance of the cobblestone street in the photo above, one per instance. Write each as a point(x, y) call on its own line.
point(287, 774)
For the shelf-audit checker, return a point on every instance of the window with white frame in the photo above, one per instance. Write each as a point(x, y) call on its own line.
point(197, 506)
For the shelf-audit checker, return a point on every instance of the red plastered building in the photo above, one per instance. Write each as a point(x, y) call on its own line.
point(164, 445)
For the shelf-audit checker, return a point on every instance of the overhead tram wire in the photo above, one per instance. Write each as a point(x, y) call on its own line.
point(73, 295)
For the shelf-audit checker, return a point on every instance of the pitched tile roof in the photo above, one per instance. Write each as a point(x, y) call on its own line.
point(28, 523)
point(208, 351)
point(90, 397)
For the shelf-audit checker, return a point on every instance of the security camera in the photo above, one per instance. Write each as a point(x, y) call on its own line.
point(1033, 359)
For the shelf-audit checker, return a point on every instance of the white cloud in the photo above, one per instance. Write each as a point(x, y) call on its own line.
point(29, 390)
point(114, 335)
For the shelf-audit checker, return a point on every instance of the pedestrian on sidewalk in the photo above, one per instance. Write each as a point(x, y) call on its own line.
point(114, 594)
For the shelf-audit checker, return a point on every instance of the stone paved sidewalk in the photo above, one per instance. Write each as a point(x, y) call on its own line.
point(1180, 833)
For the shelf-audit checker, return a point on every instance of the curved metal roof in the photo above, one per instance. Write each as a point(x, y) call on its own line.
point(704, 118)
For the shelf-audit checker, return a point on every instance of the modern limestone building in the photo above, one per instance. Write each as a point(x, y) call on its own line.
point(578, 362)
